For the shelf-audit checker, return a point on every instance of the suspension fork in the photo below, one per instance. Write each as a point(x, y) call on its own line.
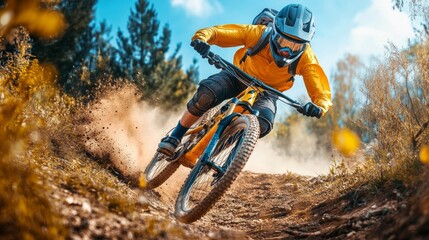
point(210, 148)
point(205, 158)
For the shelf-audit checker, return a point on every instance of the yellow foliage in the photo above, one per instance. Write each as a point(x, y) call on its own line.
point(27, 13)
point(28, 104)
point(346, 141)
point(48, 24)
point(424, 154)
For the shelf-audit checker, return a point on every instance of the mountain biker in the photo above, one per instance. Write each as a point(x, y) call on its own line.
point(287, 53)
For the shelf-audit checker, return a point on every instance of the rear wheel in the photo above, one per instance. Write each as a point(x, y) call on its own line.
point(205, 186)
point(161, 167)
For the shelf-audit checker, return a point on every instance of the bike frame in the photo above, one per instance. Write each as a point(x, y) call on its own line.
point(242, 104)
point(236, 106)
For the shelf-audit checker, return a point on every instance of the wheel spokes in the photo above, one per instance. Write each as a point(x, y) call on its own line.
point(207, 177)
point(159, 165)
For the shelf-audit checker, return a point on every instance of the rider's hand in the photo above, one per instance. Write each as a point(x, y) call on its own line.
point(201, 47)
point(311, 110)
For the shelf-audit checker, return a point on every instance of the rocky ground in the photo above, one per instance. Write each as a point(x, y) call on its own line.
point(258, 206)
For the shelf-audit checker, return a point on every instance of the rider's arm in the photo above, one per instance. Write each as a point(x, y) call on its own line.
point(315, 80)
point(230, 35)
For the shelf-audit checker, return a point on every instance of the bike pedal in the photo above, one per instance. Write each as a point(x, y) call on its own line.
point(165, 152)
point(175, 157)
point(186, 163)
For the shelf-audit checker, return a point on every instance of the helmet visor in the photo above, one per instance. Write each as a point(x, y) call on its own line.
point(285, 46)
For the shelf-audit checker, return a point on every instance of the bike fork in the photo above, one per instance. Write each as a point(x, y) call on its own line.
point(210, 148)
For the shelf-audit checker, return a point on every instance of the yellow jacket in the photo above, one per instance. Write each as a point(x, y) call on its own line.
point(262, 65)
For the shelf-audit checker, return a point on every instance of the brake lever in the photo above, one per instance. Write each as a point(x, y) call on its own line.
point(215, 60)
point(299, 108)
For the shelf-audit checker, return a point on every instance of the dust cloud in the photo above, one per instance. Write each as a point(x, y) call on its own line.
point(126, 131)
point(301, 155)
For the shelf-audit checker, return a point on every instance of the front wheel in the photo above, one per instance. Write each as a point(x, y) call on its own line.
point(205, 186)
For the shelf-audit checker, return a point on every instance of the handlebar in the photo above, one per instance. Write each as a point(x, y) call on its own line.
point(250, 80)
point(219, 62)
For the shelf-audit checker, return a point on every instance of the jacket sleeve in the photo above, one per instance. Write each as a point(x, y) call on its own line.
point(315, 80)
point(230, 35)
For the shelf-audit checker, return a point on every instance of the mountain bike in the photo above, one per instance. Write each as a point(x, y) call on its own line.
point(216, 147)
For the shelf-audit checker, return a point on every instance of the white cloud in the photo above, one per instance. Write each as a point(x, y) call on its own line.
point(377, 25)
point(198, 8)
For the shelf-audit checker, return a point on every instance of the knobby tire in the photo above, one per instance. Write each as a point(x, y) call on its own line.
point(240, 153)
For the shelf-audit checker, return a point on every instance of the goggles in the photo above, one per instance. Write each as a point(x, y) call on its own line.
point(285, 46)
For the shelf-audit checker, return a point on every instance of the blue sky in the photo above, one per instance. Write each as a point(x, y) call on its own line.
point(361, 27)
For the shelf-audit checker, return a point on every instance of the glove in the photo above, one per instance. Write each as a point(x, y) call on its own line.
point(311, 110)
point(201, 47)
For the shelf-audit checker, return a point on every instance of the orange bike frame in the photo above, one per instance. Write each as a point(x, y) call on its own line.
point(247, 96)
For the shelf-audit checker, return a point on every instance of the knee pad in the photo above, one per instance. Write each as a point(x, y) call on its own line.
point(203, 100)
point(265, 127)
point(266, 121)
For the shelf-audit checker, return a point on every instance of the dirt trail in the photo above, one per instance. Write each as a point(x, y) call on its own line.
point(285, 206)
point(257, 206)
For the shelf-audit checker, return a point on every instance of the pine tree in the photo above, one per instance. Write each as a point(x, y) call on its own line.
point(104, 66)
point(70, 52)
point(143, 49)
point(172, 84)
point(142, 59)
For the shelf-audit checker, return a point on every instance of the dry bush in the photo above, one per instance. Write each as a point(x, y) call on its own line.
point(396, 111)
point(40, 154)
point(394, 117)
point(29, 105)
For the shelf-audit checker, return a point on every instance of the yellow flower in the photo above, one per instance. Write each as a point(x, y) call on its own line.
point(346, 141)
point(424, 154)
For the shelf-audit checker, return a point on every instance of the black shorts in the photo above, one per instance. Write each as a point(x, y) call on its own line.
point(222, 86)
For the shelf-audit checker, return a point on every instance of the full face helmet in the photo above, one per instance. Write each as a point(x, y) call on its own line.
point(293, 28)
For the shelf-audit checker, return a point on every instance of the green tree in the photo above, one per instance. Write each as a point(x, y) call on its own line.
point(143, 59)
point(102, 65)
point(70, 52)
point(142, 50)
point(173, 85)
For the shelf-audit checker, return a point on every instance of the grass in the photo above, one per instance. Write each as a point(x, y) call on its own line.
point(26, 211)
point(42, 161)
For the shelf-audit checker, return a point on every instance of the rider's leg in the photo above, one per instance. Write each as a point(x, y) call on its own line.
point(266, 104)
point(184, 124)
point(169, 144)
point(210, 93)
